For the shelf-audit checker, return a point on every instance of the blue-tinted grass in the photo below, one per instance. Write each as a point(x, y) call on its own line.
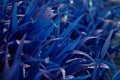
point(59, 39)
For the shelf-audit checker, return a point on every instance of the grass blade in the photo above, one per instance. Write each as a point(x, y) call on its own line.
point(71, 27)
point(116, 76)
point(14, 23)
point(106, 45)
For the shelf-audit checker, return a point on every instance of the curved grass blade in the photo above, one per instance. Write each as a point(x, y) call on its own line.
point(105, 13)
point(106, 45)
point(63, 73)
point(81, 53)
point(71, 46)
point(71, 27)
point(50, 41)
point(83, 77)
point(83, 41)
point(116, 76)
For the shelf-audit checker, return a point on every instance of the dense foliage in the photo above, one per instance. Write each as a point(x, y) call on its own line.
point(59, 39)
